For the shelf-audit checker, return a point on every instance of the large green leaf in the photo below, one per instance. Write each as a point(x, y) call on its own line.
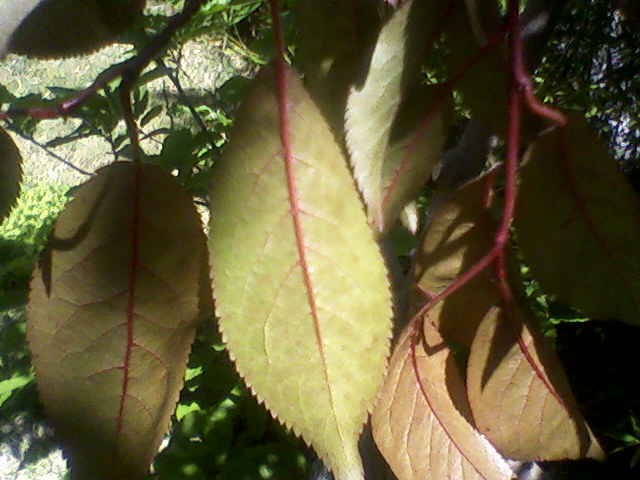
point(112, 314)
point(519, 394)
point(10, 173)
point(335, 39)
point(423, 430)
point(300, 286)
point(59, 28)
point(578, 223)
point(373, 107)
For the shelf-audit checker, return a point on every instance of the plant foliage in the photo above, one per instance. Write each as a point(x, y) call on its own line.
point(331, 147)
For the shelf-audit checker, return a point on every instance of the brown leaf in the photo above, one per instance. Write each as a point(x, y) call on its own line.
point(459, 233)
point(422, 431)
point(519, 394)
point(112, 315)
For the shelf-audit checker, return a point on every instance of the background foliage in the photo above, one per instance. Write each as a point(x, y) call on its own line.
point(219, 430)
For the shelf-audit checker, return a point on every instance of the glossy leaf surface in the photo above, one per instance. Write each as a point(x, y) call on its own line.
point(112, 315)
point(519, 394)
point(300, 286)
point(575, 205)
point(61, 28)
point(10, 173)
point(423, 433)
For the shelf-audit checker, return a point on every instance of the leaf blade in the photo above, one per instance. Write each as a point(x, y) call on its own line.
point(422, 431)
point(520, 397)
point(112, 315)
point(284, 285)
point(588, 210)
point(10, 174)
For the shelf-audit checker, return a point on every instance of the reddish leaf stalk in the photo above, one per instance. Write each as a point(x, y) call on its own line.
point(296, 211)
point(520, 88)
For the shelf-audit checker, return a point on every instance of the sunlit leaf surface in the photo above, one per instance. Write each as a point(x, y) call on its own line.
point(519, 394)
point(112, 315)
point(300, 286)
point(10, 173)
point(423, 431)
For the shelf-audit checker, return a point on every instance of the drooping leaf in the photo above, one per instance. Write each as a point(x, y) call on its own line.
point(416, 139)
point(460, 232)
point(112, 314)
point(422, 429)
point(301, 288)
point(519, 394)
point(60, 28)
point(373, 107)
point(485, 84)
point(335, 39)
point(10, 173)
point(578, 223)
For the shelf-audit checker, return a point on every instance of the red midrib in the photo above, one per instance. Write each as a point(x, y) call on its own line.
point(131, 290)
point(289, 159)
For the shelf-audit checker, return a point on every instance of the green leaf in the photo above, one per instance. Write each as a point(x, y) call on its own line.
point(372, 108)
point(424, 431)
point(578, 223)
point(519, 394)
point(112, 314)
point(335, 40)
point(483, 86)
point(7, 387)
point(415, 145)
point(300, 285)
point(10, 174)
point(62, 28)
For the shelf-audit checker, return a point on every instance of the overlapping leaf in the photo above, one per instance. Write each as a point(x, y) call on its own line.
point(484, 84)
point(415, 145)
point(575, 205)
point(519, 394)
point(335, 39)
point(460, 232)
point(59, 28)
point(10, 173)
point(373, 108)
point(300, 286)
point(112, 315)
point(422, 429)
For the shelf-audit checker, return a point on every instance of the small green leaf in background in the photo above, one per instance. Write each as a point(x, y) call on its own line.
point(372, 108)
